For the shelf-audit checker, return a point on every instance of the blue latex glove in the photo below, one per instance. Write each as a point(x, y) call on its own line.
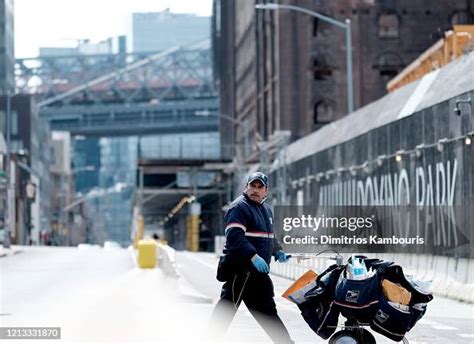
point(281, 257)
point(260, 264)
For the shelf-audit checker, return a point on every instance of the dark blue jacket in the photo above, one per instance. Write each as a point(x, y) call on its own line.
point(249, 230)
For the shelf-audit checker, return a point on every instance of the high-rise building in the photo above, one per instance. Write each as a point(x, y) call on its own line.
point(117, 176)
point(156, 31)
point(285, 70)
point(86, 153)
point(7, 53)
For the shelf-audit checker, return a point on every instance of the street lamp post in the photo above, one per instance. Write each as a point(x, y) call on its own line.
point(10, 220)
point(343, 25)
point(30, 193)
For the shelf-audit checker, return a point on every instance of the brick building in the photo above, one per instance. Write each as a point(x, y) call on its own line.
point(283, 70)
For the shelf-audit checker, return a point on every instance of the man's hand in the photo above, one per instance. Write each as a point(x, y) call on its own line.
point(260, 264)
point(281, 257)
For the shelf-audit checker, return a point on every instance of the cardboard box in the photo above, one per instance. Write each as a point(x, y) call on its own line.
point(295, 293)
point(396, 293)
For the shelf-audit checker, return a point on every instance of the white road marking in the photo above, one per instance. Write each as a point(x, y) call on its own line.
point(196, 258)
point(444, 328)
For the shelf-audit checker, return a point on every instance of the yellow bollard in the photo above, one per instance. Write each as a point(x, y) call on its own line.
point(192, 233)
point(146, 254)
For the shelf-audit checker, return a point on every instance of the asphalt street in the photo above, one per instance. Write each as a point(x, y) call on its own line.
point(94, 295)
point(98, 295)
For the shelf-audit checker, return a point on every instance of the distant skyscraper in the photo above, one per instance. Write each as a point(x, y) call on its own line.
point(157, 31)
point(86, 153)
point(7, 53)
point(118, 166)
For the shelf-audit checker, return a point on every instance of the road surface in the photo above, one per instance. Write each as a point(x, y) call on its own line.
point(99, 295)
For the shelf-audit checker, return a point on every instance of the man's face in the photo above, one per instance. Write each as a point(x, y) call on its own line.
point(256, 191)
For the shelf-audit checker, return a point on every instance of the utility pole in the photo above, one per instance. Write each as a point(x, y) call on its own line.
point(9, 228)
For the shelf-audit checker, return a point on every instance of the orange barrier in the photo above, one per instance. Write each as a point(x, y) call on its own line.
point(454, 44)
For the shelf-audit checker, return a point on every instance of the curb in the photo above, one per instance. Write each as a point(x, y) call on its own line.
point(167, 261)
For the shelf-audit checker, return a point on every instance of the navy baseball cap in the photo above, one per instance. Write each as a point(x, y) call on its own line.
point(258, 176)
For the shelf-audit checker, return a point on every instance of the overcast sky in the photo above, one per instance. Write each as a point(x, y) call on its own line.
point(59, 23)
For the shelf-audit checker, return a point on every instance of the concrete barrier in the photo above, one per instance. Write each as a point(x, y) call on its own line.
point(166, 256)
point(451, 277)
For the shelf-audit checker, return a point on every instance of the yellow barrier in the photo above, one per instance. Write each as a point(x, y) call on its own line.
point(147, 254)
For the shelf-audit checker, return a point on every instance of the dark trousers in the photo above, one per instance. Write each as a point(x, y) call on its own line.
point(256, 291)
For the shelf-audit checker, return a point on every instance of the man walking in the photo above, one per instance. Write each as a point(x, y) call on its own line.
point(250, 244)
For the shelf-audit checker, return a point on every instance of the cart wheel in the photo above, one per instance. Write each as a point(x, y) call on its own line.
point(362, 336)
point(344, 337)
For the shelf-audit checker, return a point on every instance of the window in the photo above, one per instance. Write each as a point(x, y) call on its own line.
point(321, 69)
point(388, 63)
point(315, 27)
point(323, 113)
point(388, 25)
point(321, 27)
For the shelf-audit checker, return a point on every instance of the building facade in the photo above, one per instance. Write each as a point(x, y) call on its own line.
point(7, 86)
point(68, 221)
point(7, 53)
point(284, 70)
point(30, 135)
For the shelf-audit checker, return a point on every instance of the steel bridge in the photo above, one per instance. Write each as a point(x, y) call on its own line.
point(109, 95)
